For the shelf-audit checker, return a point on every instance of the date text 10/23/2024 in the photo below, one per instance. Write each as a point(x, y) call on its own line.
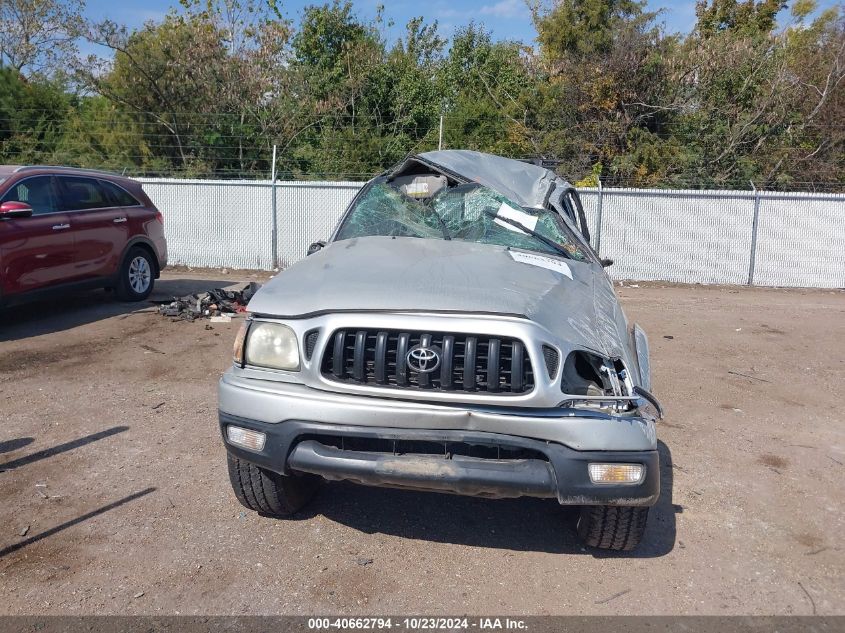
point(416, 624)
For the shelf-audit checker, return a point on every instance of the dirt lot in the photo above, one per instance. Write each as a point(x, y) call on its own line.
point(116, 500)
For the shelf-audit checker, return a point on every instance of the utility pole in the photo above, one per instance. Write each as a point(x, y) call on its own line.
point(599, 205)
point(440, 137)
point(274, 239)
point(755, 220)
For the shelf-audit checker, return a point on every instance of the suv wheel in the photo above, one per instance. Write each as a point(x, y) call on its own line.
point(136, 276)
point(612, 527)
point(268, 492)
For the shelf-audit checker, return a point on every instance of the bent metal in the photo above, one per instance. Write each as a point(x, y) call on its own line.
point(464, 338)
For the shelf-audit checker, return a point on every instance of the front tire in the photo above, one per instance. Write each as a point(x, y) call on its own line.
point(618, 528)
point(268, 492)
point(136, 276)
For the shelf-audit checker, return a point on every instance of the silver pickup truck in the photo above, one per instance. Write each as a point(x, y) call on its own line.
point(457, 334)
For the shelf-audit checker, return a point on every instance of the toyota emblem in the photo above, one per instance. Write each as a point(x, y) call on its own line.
point(423, 360)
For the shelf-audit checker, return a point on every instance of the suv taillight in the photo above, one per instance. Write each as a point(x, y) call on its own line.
point(160, 217)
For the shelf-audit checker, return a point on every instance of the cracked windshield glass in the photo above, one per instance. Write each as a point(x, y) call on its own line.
point(470, 213)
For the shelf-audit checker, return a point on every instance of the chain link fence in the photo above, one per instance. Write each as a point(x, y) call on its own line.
point(690, 236)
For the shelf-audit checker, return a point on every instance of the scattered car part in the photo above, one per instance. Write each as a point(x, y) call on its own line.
point(214, 303)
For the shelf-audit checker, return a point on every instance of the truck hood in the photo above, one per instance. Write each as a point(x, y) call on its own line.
point(405, 274)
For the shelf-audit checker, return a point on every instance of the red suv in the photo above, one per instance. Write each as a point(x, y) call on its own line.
point(74, 228)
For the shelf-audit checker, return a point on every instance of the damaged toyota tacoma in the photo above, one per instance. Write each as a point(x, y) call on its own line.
point(456, 334)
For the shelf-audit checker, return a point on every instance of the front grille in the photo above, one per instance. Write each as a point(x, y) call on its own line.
point(552, 359)
point(310, 343)
point(467, 363)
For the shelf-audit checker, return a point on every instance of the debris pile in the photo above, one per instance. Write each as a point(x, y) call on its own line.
point(216, 304)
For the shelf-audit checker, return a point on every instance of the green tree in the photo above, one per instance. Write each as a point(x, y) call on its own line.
point(99, 133)
point(607, 99)
point(370, 105)
point(198, 81)
point(487, 90)
point(38, 36)
point(607, 94)
point(585, 27)
point(744, 16)
point(761, 100)
point(32, 117)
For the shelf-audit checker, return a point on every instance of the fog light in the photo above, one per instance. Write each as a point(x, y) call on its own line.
point(616, 473)
point(253, 440)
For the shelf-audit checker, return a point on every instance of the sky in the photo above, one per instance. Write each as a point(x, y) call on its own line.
point(507, 19)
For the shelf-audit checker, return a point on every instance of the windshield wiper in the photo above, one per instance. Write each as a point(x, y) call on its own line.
point(545, 240)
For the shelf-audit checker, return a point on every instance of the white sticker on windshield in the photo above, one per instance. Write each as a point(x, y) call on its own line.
point(525, 219)
point(543, 262)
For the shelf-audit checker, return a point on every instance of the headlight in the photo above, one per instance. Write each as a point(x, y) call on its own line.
point(272, 345)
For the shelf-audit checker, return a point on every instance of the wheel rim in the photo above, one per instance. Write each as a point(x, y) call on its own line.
point(139, 274)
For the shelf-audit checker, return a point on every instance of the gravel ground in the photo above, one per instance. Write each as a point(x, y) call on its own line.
point(116, 500)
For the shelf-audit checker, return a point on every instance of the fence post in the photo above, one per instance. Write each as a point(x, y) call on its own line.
point(274, 238)
point(440, 135)
point(598, 217)
point(753, 258)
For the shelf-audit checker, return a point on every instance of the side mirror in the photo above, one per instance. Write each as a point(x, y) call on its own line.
point(605, 262)
point(316, 246)
point(15, 210)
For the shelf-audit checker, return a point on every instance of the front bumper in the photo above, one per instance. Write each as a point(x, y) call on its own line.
point(551, 470)
point(273, 402)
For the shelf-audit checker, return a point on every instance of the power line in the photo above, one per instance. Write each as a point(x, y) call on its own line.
point(364, 117)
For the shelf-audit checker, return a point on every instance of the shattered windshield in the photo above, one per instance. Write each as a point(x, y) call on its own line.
point(470, 213)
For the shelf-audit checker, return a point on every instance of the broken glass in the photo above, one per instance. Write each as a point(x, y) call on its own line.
point(471, 213)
